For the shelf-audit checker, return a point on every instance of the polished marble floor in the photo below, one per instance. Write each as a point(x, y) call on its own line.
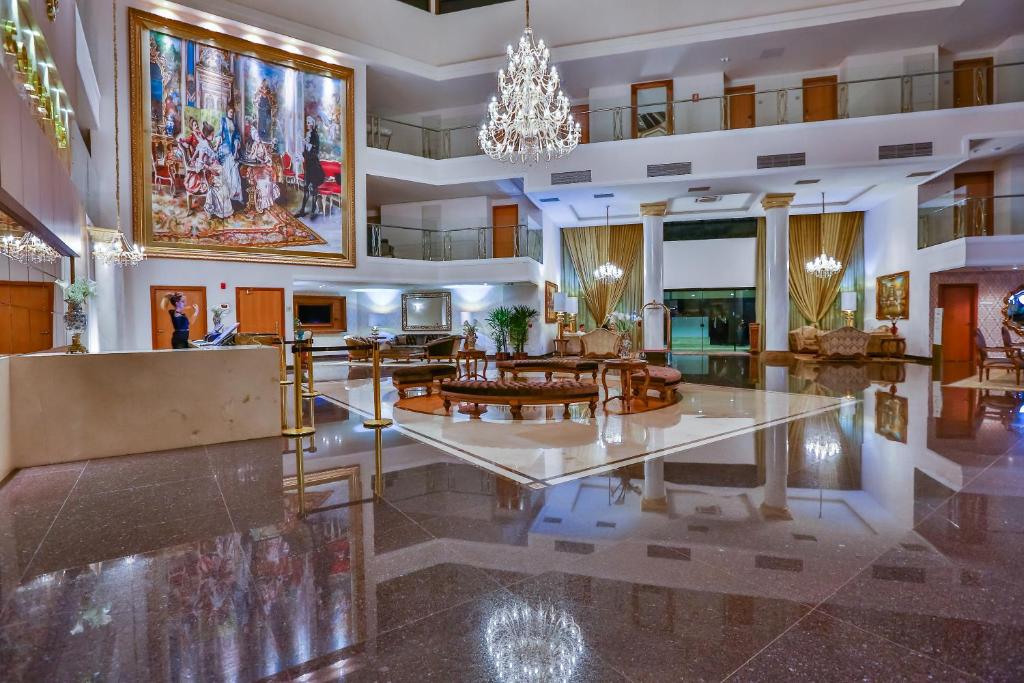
point(879, 540)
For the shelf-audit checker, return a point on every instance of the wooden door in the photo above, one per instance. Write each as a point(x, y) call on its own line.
point(26, 317)
point(581, 114)
point(504, 219)
point(161, 319)
point(959, 319)
point(740, 106)
point(972, 82)
point(654, 115)
point(820, 101)
point(973, 217)
point(260, 309)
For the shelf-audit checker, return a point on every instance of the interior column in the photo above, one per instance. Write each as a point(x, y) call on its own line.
point(776, 277)
point(776, 454)
point(654, 266)
point(655, 496)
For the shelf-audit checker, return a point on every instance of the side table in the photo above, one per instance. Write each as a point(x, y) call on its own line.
point(625, 367)
point(893, 346)
point(467, 361)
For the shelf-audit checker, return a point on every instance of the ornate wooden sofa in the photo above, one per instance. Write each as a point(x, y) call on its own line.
point(421, 376)
point(515, 395)
point(664, 380)
point(846, 342)
point(549, 366)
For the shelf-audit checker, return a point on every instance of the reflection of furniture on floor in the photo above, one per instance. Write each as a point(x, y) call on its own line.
point(846, 342)
point(661, 379)
point(515, 395)
point(468, 363)
point(549, 366)
point(569, 345)
point(444, 348)
point(1004, 406)
point(657, 356)
point(627, 369)
point(1011, 360)
point(421, 376)
point(804, 339)
point(600, 343)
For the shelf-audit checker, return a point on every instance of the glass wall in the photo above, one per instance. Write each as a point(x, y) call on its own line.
point(711, 319)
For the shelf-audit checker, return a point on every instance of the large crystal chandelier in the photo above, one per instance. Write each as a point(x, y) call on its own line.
point(118, 252)
point(530, 117)
point(27, 249)
point(823, 266)
point(530, 644)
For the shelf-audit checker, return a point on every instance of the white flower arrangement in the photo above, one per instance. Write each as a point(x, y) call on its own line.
point(78, 292)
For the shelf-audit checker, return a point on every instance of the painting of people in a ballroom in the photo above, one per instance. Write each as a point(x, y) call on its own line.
point(246, 154)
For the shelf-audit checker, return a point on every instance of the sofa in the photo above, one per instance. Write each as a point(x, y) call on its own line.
point(846, 342)
point(600, 343)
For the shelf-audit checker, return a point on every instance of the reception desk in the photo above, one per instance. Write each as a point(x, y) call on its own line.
point(58, 408)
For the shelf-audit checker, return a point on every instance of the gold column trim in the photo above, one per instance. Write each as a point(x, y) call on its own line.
point(777, 200)
point(654, 209)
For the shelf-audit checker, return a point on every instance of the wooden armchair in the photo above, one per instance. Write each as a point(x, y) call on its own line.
point(600, 343)
point(1011, 360)
point(444, 348)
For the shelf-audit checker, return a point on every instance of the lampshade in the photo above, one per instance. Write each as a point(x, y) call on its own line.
point(558, 303)
point(572, 305)
point(848, 301)
point(465, 317)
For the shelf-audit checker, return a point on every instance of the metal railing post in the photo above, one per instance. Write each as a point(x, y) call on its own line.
point(617, 124)
point(378, 423)
point(781, 107)
point(300, 429)
point(844, 101)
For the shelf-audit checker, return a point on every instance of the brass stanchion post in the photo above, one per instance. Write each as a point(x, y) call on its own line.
point(310, 391)
point(300, 429)
point(377, 424)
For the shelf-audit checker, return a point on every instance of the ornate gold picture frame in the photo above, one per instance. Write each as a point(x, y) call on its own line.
point(1013, 310)
point(426, 311)
point(550, 314)
point(892, 296)
point(240, 151)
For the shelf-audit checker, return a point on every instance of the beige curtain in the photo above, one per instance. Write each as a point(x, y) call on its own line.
point(593, 246)
point(836, 234)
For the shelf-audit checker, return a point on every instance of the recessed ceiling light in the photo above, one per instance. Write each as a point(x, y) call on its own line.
point(708, 199)
point(725, 60)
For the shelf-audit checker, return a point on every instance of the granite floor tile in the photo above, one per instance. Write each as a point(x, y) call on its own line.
point(134, 471)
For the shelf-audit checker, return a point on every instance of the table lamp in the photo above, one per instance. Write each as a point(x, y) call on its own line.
point(572, 307)
point(558, 304)
point(848, 304)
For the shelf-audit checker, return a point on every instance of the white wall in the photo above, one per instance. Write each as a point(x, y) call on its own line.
point(709, 264)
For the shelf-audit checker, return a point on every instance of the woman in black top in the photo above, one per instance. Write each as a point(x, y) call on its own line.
point(180, 321)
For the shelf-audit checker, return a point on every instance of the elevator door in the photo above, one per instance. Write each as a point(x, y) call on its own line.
point(711, 319)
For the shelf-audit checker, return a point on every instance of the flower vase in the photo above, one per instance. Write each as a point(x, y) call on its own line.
point(627, 344)
point(894, 330)
point(76, 321)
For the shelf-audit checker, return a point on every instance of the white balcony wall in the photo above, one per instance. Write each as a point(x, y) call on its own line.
point(886, 96)
point(1008, 82)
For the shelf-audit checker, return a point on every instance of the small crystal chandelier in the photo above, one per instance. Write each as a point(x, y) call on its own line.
point(822, 447)
point(118, 252)
point(27, 249)
point(823, 266)
point(608, 272)
point(528, 644)
point(530, 117)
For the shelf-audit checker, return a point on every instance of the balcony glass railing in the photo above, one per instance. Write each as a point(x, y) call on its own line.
point(853, 98)
point(955, 215)
point(457, 244)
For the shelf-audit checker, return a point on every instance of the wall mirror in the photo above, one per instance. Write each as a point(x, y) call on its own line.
point(427, 311)
point(652, 109)
point(1013, 310)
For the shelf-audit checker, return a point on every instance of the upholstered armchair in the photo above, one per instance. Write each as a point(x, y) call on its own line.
point(804, 339)
point(444, 348)
point(990, 358)
point(846, 342)
point(600, 343)
point(358, 354)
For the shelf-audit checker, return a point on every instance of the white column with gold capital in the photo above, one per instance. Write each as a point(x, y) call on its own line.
point(776, 275)
point(654, 273)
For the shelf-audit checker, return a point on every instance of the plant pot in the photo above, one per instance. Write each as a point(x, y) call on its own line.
point(503, 356)
point(520, 355)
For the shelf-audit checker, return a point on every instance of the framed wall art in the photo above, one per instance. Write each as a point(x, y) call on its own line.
point(892, 296)
point(239, 151)
point(550, 314)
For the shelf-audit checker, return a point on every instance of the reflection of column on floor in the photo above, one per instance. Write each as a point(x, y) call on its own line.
point(776, 454)
point(654, 281)
point(776, 272)
point(655, 496)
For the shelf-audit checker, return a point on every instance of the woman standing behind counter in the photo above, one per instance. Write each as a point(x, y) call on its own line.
point(179, 321)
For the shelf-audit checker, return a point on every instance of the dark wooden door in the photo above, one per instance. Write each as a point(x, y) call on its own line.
point(820, 101)
point(972, 82)
point(740, 104)
point(504, 219)
point(959, 304)
point(973, 217)
point(260, 309)
point(26, 317)
point(161, 319)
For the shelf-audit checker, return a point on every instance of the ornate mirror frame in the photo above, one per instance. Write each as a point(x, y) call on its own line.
point(446, 324)
point(1015, 326)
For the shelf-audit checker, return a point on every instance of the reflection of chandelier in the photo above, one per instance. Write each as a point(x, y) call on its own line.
point(607, 272)
point(822, 447)
point(530, 116)
point(533, 643)
point(118, 252)
point(823, 266)
point(27, 249)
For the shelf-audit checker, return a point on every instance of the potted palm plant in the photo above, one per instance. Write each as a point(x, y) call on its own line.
point(520, 322)
point(498, 324)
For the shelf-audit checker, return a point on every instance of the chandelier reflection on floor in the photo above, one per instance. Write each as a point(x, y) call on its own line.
point(27, 249)
point(822, 447)
point(530, 117)
point(531, 644)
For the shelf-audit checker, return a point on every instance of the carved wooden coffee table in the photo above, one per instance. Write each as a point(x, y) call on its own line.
point(626, 367)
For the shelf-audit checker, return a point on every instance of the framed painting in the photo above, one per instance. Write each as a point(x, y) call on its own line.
point(550, 314)
point(239, 151)
point(892, 296)
point(891, 416)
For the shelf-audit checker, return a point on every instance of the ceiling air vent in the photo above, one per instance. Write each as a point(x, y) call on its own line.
point(662, 170)
point(548, 200)
point(905, 151)
point(809, 181)
point(604, 195)
point(781, 160)
point(702, 188)
point(921, 174)
point(772, 52)
point(570, 177)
